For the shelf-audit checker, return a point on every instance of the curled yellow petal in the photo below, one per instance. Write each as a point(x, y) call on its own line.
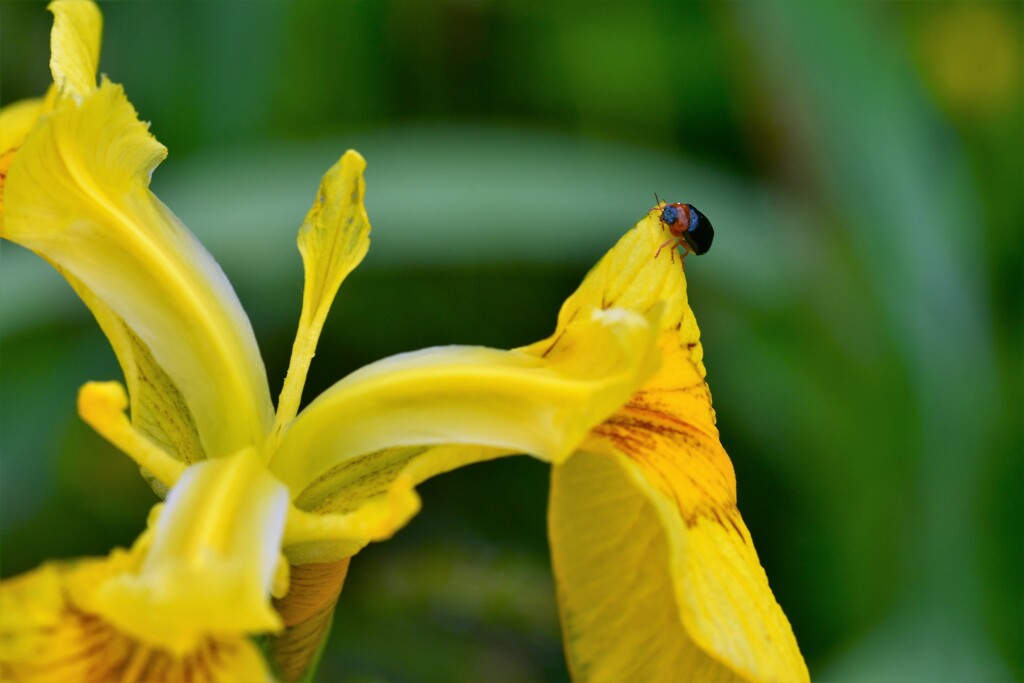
point(75, 46)
point(49, 632)
point(212, 562)
point(473, 396)
point(333, 240)
point(77, 194)
point(657, 575)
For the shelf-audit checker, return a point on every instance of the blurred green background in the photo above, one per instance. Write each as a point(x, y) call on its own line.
point(860, 310)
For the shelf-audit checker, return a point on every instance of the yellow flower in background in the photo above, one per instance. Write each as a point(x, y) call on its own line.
point(656, 573)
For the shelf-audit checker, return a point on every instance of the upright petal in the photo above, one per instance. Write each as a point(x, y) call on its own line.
point(333, 240)
point(75, 46)
point(657, 574)
point(77, 194)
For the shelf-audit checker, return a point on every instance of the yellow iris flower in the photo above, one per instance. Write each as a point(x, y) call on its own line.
point(656, 572)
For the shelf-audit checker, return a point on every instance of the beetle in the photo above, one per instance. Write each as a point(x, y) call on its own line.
point(690, 228)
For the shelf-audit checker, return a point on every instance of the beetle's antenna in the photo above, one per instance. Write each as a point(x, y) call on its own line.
point(657, 202)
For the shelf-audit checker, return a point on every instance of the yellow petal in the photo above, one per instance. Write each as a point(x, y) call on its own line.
point(48, 633)
point(16, 122)
point(215, 550)
point(630, 277)
point(75, 46)
point(77, 194)
point(473, 396)
point(333, 240)
point(368, 499)
point(646, 595)
point(158, 409)
point(657, 575)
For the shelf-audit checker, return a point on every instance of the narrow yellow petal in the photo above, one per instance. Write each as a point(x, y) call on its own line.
point(77, 194)
point(474, 396)
point(75, 46)
point(101, 405)
point(49, 633)
point(213, 559)
point(333, 240)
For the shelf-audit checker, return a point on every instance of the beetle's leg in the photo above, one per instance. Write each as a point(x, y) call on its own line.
point(665, 245)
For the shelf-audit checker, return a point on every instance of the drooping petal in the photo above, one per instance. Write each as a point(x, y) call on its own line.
point(75, 46)
point(333, 240)
point(646, 593)
point(620, 619)
point(77, 194)
point(474, 396)
point(657, 574)
point(213, 560)
point(48, 632)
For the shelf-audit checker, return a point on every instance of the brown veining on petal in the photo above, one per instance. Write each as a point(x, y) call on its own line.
point(306, 612)
point(668, 429)
point(82, 647)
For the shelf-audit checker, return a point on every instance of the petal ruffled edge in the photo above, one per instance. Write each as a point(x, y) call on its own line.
point(77, 194)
